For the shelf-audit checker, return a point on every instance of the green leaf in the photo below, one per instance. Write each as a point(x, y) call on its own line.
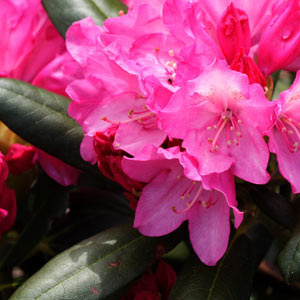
point(64, 13)
point(231, 279)
point(96, 267)
point(289, 258)
point(50, 200)
point(40, 117)
point(274, 205)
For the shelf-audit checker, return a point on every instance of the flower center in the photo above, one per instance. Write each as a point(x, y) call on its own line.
point(229, 122)
point(186, 195)
point(145, 117)
point(195, 186)
point(170, 65)
point(289, 130)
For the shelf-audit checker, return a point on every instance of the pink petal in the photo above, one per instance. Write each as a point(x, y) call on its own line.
point(20, 158)
point(58, 170)
point(60, 72)
point(28, 39)
point(132, 137)
point(288, 162)
point(8, 203)
point(154, 214)
point(209, 230)
point(87, 151)
point(280, 43)
point(149, 162)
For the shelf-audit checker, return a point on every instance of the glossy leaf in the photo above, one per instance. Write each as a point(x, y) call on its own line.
point(49, 200)
point(64, 13)
point(231, 279)
point(40, 117)
point(289, 258)
point(274, 205)
point(96, 267)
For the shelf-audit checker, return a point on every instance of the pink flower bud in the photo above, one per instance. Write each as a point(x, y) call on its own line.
point(234, 32)
point(245, 64)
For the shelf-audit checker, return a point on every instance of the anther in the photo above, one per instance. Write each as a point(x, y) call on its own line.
point(117, 144)
point(208, 128)
point(171, 53)
point(121, 13)
point(210, 140)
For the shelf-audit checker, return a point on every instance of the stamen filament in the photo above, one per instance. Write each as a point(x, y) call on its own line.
point(191, 204)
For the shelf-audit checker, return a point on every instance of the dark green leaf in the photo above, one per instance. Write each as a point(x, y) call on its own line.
point(231, 279)
point(64, 13)
point(50, 200)
point(91, 211)
point(40, 117)
point(96, 267)
point(274, 205)
point(289, 258)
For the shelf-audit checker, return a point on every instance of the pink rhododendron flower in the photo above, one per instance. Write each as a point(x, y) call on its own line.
point(8, 207)
point(20, 158)
point(154, 285)
point(279, 47)
point(32, 50)
point(285, 135)
point(108, 97)
point(170, 198)
point(29, 41)
point(109, 163)
point(221, 119)
point(233, 26)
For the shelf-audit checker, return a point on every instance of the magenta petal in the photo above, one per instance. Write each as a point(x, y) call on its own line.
point(224, 183)
point(82, 40)
point(253, 146)
point(133, 137)
point(209, 230)
point(7, 203)
point(154, 214)
point(280, 43)
point(57, 169)
point(87, 149)
point(197, 145)
point(288, 162)
point(148, 163)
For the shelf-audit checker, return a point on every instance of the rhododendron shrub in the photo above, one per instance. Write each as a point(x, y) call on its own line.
point(181, 118)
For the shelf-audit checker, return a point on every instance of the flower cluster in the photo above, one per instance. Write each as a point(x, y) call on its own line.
point(173, 103)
